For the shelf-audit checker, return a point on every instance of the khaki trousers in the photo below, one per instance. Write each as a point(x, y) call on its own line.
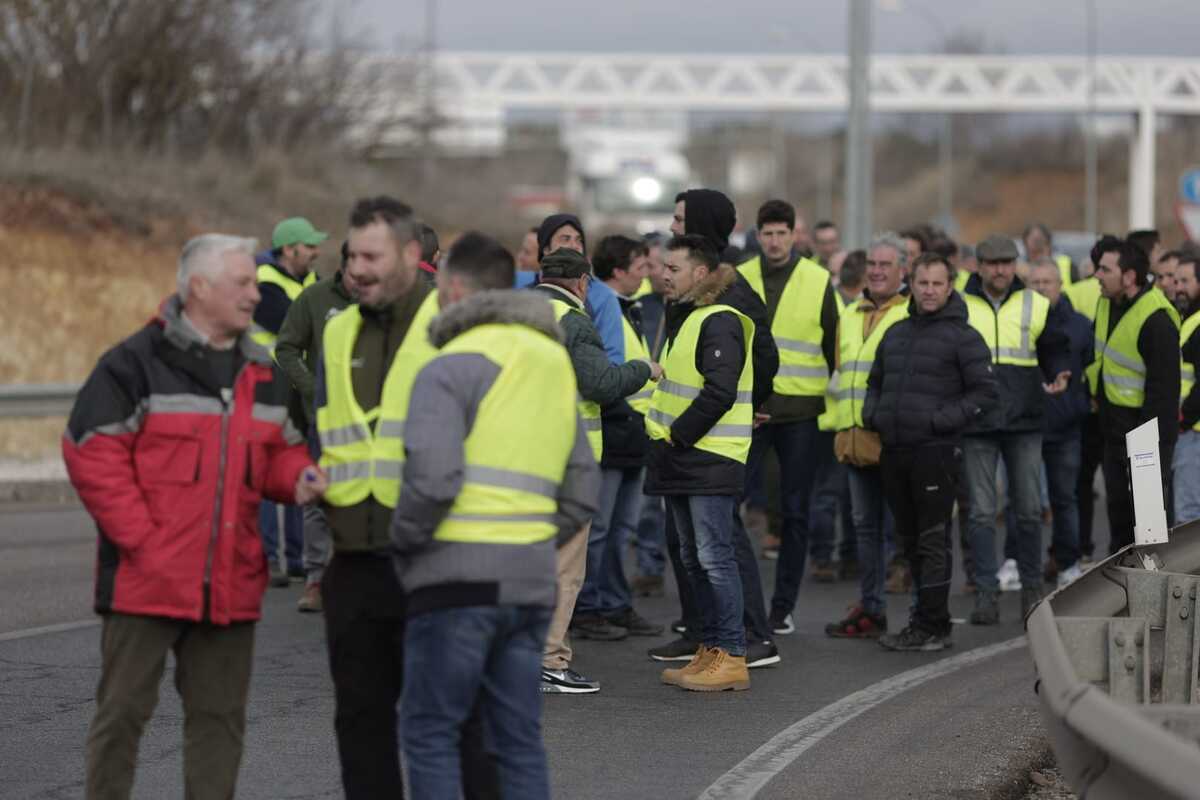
point(572, 565)
point(212, 676)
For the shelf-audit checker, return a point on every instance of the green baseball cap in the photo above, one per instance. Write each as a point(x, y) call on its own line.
point(296, 230)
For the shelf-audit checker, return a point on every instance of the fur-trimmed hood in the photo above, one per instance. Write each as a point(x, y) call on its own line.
point(709, 290)
point(503, 306)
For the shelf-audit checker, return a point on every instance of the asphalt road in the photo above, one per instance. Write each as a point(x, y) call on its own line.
point(839, 721)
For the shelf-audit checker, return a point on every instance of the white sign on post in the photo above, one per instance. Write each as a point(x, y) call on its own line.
point(1145, 478)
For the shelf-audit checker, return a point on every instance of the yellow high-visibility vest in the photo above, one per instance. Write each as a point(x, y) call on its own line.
point(856, 354)
point(1012, 333)
point(268, 273)
point(1122, 368)
point(1084, 296)
point(1064, 268)
point(730, 436)
point(960, 280)
point(1187, 373)
point(362, 462)
point(797, 326)
point(636, 348)
point(517, 450)
point(589, 411)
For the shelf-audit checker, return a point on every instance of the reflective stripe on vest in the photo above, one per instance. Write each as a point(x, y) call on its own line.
point(1122, 369)
point(856, 354)
point(796, 326)
point(517, 450)
point(361, 462)
point(269, 273)
point(1012, 333)
point(589, 411)
point(730, 436)
point(635, 348)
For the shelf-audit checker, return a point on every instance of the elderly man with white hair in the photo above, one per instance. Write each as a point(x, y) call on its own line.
point(174, 440)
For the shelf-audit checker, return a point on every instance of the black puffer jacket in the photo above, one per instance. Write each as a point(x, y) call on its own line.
point(932, 377)
point(680, 468)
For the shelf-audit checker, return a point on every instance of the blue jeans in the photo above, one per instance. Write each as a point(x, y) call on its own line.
point(651, 540)
point(1186, 463)
point(1062, 460)
point(1022, 454)
point(484, 658)
point(870, 510)
point(796, 444)
point(706, 547)
point(293, 534)
point(605, 590)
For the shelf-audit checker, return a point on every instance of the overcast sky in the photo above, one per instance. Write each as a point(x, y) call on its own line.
point(1125, 27)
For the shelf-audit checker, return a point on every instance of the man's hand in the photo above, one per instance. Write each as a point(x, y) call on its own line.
point(311, 485)
point(761, 419)
point(656, 371)
point(1061, 380)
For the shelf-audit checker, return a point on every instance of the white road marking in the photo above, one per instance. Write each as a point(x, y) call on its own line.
point(45, 629)
point(756, 770)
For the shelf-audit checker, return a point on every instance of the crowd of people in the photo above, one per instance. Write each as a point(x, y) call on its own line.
point(456, 451)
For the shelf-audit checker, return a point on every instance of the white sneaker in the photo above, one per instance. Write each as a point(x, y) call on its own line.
point(1008, 577)
point(1069, 574)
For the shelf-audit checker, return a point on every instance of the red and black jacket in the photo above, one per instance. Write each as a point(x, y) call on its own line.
point(173, 469)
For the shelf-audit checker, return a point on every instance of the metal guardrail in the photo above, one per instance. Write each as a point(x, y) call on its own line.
point(37, 400)
point(1117, 654)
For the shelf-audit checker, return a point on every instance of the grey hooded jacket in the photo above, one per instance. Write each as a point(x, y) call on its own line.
point(445, 398)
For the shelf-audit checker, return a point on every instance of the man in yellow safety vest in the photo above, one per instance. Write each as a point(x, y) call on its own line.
point(1138, 379)
point(286, 270)
point(563, 281)
point(371, 352)
point(700, 419)
point(497, 471)
point(1187, 451)
point(1030, 357)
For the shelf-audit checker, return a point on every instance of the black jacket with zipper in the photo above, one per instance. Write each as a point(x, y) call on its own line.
point(679, 468)
point(931, 378)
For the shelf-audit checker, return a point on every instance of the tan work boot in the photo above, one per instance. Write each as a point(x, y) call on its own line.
point(673, 676)
point(310, 602)
point(722, 671)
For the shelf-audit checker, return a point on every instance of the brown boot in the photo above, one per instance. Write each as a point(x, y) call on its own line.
point(673, 676)
point(722, 671)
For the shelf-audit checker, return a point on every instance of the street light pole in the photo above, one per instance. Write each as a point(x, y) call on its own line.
point(858, 133)
point(1091, 156)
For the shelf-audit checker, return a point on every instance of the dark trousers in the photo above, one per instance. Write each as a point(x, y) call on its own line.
point(754, 609)
point(796, 444)
point(831, 498)
point(212, 676)
point(1118, 493)
point(364, 633)
point(920, 486)
point(293, 535)
point(1091, 457)
point(1061, 460)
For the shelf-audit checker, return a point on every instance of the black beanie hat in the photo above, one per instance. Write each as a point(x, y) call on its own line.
point(551, 224)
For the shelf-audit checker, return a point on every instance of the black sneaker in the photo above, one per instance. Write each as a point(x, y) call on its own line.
point(761, 654)
point(782, 627)
point(914, 640)
point(635, 624)
point(567, 681)
point(279, 578)
point(596, 628)
point(678, 627)
point(680, 649)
